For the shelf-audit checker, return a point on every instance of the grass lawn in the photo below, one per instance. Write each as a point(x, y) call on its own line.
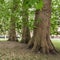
point(56, 44)
point(18, 51)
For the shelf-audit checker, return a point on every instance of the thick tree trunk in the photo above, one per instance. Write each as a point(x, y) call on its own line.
point(25, 27)
point(41, 37)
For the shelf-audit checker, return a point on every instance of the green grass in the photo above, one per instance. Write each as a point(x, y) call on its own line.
point(56, 44)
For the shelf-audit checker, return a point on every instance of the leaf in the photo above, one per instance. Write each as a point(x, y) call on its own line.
point(39, 5)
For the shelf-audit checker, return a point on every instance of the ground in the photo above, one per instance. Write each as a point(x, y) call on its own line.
point(18, 51)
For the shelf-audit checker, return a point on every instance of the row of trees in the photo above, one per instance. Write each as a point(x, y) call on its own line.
point(5, 12)
point(17, 11)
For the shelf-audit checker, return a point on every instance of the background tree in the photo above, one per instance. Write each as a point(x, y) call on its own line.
point(4, 17)
point(12, 31)
point(26, 6)
point(25, 21)
point(55, 22)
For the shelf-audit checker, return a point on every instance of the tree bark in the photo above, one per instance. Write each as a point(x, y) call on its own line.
point(41, 36)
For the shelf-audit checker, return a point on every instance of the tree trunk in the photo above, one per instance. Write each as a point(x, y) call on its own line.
point(25, 27)
point(41, 37)
point(12, 31)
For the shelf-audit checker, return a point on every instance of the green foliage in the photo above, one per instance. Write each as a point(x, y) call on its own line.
point(55, 16)
point(2, 1)
point(39, 4)
point(30, 6)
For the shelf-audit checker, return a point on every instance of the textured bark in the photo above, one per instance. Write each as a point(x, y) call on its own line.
point(41, 37)
point(25, 28)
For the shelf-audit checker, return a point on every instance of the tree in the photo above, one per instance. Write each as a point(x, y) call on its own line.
point(25, 17)
point(25, 21)
point(12, 31)
point(55, 16)
point(4, 17)
point(41, 36)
